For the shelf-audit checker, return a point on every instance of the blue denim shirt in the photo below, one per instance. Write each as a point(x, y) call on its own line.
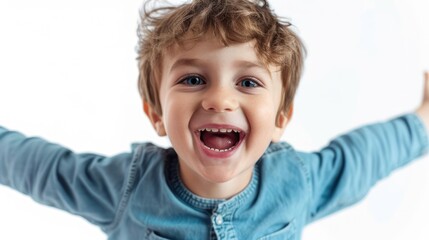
point(139, 195)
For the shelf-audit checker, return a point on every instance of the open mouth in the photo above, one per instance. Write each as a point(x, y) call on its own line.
point(220, 139)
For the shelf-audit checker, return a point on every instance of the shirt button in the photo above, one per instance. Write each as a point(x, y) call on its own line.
point(219, 219)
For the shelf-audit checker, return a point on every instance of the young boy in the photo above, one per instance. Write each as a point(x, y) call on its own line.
point(218, 78)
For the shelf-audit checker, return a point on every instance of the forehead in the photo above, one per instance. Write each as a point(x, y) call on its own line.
point(206, 48)
point(211, 51)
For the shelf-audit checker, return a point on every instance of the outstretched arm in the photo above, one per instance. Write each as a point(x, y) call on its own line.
point(423, 110)
point(344, 171)
point(87, 185)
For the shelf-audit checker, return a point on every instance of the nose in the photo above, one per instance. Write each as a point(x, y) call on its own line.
point(220, 99)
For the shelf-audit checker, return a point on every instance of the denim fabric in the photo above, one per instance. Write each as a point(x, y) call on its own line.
point(139, 195)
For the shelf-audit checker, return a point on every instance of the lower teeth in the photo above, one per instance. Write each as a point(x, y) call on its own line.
point(219, 150)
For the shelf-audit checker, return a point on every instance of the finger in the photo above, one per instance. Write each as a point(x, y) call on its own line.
point(426, 86)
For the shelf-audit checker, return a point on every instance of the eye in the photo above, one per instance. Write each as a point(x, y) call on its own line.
point(249, 83)
point(192, 80)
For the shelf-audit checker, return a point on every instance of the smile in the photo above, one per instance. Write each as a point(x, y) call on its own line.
point(220, 139)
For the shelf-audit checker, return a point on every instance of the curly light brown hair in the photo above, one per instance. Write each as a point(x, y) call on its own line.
point(230, 21)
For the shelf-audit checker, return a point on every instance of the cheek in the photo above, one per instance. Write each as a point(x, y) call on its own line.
point(261, 115)
point(174, 113)
point(264, 109)
point(178, 111)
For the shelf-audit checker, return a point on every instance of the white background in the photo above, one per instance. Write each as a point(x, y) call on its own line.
point(68, 73)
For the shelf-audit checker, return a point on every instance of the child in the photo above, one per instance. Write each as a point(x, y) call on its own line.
point(218, 78)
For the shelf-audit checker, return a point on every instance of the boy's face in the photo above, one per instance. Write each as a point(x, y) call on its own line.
point(220, 110)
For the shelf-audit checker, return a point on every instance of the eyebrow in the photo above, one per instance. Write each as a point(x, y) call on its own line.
point(198, 62)
point(252, 64)
point(249, 64)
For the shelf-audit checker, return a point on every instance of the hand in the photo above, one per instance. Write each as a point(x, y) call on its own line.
point(423, 110)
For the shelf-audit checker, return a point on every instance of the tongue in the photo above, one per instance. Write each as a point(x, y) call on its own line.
point(218, 140)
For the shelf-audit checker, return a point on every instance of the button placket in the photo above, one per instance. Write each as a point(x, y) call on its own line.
point(218, 221)
point(220, 212)
point(222, 222)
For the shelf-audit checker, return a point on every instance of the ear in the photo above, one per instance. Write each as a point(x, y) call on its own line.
point(154, 118)
point(281, 122)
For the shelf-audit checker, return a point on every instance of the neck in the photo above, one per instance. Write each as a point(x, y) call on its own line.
point(215, 190)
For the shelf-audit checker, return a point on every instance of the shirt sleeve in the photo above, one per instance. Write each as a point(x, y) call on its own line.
point(344, 171)
point(88, 185)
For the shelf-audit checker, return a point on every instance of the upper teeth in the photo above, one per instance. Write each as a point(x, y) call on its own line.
point(222, 130)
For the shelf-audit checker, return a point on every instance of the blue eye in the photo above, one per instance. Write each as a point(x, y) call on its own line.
point(192, 81)
point(249, 83)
